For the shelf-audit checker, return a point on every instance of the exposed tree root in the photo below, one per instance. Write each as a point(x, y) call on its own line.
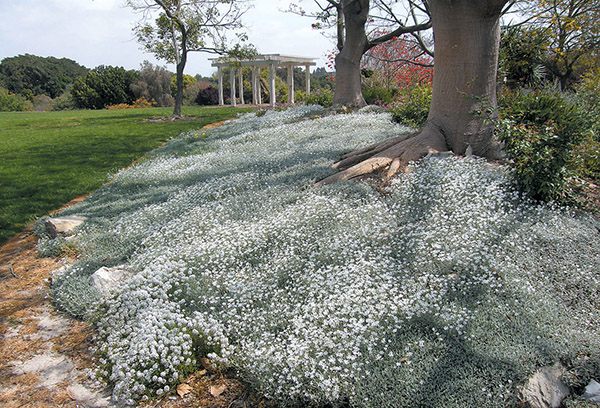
point(393, 154)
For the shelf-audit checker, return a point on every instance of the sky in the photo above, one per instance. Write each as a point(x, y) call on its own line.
point(99, 32)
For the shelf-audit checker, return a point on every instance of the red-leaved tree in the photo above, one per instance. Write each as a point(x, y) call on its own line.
point(399, 63)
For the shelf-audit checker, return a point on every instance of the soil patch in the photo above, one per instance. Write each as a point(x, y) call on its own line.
point(172, 119)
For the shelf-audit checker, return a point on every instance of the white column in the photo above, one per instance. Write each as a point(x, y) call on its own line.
point(232, 80)
point(307, 79)
point(290, 83)
point(241, 75)
point(220, 76)
point(272, 84)
point(254, 98)
point(258, 93)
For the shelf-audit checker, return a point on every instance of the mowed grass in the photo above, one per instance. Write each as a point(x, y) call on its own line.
point(49, 158)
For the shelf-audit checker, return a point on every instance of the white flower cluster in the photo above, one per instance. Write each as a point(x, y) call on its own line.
point(446, 285)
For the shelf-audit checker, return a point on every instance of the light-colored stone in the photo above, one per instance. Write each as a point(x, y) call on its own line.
point(63, 225)
point(52, 368)
point(107, 280)
point(88, 397)
point(592, 392)
point(545, 389)
point(58, 273)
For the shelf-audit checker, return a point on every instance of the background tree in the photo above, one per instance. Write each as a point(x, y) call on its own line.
point(170, 29)
point(10, 102)
point(467, 37)
point(31, 75)
point(356, 25)
point(154, 84)
point(571, 29)
point(103, 86)
point(399, 63)
point(522, 56)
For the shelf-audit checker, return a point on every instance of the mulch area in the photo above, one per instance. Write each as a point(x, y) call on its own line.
point(25, 310)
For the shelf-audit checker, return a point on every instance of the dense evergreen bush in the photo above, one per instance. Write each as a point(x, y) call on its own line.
point(539, 130)
point(103, 86)
point(208, 96)
point(63, 102)
point(522, 57)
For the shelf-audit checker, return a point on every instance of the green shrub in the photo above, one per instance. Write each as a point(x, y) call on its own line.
point(41, 103)
point(10, 102)
point(322, 97)
point(63, 102)
point(539, 130)
point(379, 95)
point(413, 107)
point(586, 159)
point(104, 86)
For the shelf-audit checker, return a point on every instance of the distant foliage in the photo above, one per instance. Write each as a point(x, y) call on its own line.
point(188, 81)
point(209, 95)
point(33, 75)
point(323, 97)
point(412, 108)
point(539, 130)
point(103, 86)
point(570, 30)
point(321, 79)
point(378, 95)
point(139, 103)
point(63, 102)
point(154, 84)
point(9, 102)
point(522, 56)
point(399, 63)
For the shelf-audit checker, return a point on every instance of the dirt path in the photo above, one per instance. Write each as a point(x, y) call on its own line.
point(44, 356)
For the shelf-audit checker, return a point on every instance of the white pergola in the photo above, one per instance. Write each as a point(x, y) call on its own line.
point(257, 63)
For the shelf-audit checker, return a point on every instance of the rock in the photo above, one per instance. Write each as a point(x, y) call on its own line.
point(107, 280)
point(545, 389)
point(58, 273)
point(63, 225)
point(592, 392)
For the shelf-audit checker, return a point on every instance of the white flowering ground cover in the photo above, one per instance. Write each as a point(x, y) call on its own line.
point(447, 290)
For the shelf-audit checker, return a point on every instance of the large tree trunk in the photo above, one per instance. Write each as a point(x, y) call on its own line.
point(466, 38)
point(348, 90)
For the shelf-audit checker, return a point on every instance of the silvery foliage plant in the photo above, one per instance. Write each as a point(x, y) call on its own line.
point(446, 289)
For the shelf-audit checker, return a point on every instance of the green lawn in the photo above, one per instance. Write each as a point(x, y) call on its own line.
point(49, 158)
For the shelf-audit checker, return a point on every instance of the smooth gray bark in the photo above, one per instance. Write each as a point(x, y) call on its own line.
point(467, 40)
